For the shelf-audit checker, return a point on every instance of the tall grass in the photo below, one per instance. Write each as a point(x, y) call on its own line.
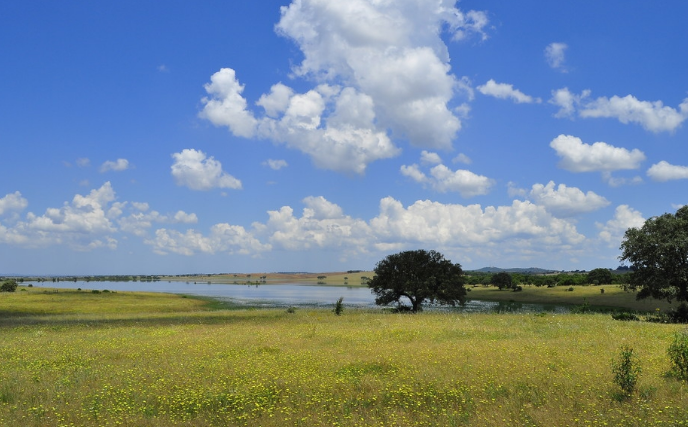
point(192, 367)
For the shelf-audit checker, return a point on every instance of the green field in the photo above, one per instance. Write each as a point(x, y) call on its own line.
point(85, 359)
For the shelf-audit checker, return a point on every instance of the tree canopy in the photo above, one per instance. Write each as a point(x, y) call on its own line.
point(658, 254)
point(600, 276)
point(502, 280)
point(418, 276)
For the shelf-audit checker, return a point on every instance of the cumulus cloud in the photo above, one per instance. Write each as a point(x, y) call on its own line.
point(577, 156)
point(430, 158)
point(194, 170)
point(462, 158)
point(118, 165)
point(563, 201)
point(231, 239)
point(80, 225)
point(506, 91)
point(383, 70)
point(664, 171)
point(13, 202)
point(275, 164)
point(452, 225)
point(652, 116)
point(442, 179)
point(555, 56)
point(625, 217)
point(141, 218)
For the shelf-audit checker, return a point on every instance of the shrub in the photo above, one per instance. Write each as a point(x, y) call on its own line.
point(339, 306)
point(518, 288)
point(8, 286)
point(626, 370)
point(678, 353)
point(624, 315)
point(570, 289)
point(291, 310)
point(679, 314)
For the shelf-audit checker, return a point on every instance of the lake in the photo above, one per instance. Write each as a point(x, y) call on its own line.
point(284, 295)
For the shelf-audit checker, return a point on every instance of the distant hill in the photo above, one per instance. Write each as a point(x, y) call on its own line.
point(530, 270)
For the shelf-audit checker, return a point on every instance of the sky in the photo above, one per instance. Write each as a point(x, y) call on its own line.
point(142, 137)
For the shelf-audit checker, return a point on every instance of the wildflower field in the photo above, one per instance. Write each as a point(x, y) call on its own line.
point(125, 359)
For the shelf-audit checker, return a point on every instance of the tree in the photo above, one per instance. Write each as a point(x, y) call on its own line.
point(418, 276)
point(8, 286)
point(502, 280)
point(658, 254)
point(600, 276)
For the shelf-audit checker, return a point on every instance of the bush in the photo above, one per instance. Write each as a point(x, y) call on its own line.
point(291, 310)
point(8, 286)
point(679, 314)
point(678, 353)
point(624, 316)
point(570, 289)
point(518, 288)
point(626, 370)
point(339, 306)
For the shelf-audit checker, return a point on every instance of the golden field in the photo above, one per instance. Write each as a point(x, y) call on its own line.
point(82, 359)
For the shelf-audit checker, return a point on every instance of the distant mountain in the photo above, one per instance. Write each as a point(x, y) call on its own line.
point(530, 270)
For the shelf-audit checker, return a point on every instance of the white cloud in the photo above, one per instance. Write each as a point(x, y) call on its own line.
point(387, 71)
point(83, 162)
point(141, 219)
point(442, 179)
point(225, 106)
point(192, 169)
point(664, 171)
point(614, 181)
point(275, 164)
point(653, 116)
point(506, 91)
point(13, 202)
point(563, 201)
point(462, 158)
point(163, 68)
point(577, 156)
point(470, 226)
point(430, 158)
point(555, 56)
point(625, 217)
point(231, 239)
point(81, 225)
point(117, 166)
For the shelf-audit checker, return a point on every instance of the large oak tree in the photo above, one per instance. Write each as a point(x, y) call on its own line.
point(658, 254)
point(418, 276)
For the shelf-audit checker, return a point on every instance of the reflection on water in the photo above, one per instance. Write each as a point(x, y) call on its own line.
point(289, 294)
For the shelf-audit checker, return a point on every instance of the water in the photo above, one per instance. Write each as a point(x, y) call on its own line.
point(288, 294)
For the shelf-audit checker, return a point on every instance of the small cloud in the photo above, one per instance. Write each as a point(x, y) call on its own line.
point(506, 91)
point(117, 166)
point(515, 191)
point(163, 68)
point(462, 158)
point(83, 162)
point(84, 183)
point(275, 164)
point(555, 56)
point(430, 158)
point(194, 170)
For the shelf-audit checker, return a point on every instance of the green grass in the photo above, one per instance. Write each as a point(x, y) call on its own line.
point(81, 359)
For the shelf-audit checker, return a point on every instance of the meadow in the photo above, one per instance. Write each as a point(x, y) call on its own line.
point(126, 359)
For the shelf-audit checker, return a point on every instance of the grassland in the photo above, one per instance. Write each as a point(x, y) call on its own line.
point(84, 359)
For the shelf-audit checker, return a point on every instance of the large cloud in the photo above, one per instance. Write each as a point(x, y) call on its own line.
point(653, 116)
point(665, 171)
point(563, 201)
point(194, 170)
point(383, 67)
point(577, 156)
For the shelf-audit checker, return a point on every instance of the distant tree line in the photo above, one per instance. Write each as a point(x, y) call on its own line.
point(599, 276)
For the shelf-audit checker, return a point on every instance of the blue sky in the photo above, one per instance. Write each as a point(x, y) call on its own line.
point(209, 137)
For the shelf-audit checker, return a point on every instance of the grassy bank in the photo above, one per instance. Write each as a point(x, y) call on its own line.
point(160, 360)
